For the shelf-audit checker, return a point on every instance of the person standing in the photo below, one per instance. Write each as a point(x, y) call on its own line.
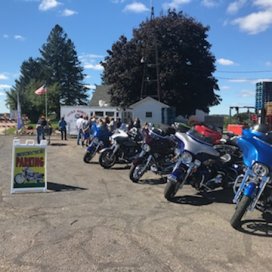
point(41, 124)
point(118, 122)
point(62, 128)
point(79, 122)
point(137, 123)
point(85, 131)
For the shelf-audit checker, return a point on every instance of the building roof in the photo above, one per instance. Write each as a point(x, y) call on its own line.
point(148, 98)
point(101, 96)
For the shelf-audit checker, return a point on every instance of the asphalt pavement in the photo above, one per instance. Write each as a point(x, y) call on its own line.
point(91, 219)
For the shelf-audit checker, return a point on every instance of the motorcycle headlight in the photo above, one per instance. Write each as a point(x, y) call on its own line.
point(146, 147)
point(186, 157)
point(260, 169)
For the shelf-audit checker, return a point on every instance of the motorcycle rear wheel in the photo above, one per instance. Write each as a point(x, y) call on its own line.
point(136, 172)
point(240, 211)
point(88, 156)
point(106, 159)
point(170, 189)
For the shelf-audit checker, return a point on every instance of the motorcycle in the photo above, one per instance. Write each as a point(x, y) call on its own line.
point(99, 141)
point(211, 134)
point(125, 146)
point(200, 163)
point(157, 154)
point(253, 187)
point(29, 176)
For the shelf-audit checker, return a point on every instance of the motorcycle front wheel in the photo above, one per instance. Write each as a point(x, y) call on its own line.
point(88, 156)
point(19, 178)
point(136, 172)
point(106, 159)
point(170, 189)
point(240, 211)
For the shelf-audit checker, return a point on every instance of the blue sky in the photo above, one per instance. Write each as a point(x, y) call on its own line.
point(240, 35)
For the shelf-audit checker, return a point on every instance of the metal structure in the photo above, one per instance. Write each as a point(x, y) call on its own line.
point(237, 108)
point(151, 68)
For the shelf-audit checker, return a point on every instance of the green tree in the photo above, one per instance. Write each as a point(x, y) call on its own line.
point(58, 68)
point(31, 74)
point(185, 64)
point(61, 65)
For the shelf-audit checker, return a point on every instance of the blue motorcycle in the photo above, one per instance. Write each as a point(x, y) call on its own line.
point(100, 140)
point(253, 187)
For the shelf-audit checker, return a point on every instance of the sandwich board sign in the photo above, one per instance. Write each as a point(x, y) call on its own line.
point(28, 170)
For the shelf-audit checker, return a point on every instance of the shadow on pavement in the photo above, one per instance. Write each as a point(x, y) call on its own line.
point(58, 187)
point(205, 198)
point(58, 144)
point(258, 227)
point(152, 181)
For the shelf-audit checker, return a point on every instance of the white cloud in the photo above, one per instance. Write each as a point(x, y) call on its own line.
point(263, 3)
point(48, 4)
point(225, 62)
point(136, 7)
point(5, 36)
point(117, 1)
point(247, 93)
point(5, 86)
point(268, 63)
point(224, 87)
point(239, 80)
point(68, 12)
point(248, 80)
point(210, 3)
point(19, 37)
point(235, 6)
point(96, 67)
point(175, 4)
point(90, 58)
point(255, 23)
point(91, 87)
point(91, 61)
point(3, 77)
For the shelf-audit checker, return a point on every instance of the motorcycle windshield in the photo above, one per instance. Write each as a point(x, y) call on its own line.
point(194, 146)
point(255, 148)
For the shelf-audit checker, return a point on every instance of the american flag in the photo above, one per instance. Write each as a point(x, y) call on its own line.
point(42, 90)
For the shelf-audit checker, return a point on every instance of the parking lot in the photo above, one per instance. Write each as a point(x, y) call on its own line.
point(92, 219)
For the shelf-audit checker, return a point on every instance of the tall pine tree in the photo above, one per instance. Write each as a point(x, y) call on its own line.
point(59, 68)
point(60, 62)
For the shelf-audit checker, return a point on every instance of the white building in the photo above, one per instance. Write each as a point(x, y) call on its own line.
point(149, 110)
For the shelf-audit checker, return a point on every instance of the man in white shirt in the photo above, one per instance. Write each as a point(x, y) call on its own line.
point(79, 123)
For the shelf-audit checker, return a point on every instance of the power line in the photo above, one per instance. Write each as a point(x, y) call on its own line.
point(245, 79)
point(244, 72)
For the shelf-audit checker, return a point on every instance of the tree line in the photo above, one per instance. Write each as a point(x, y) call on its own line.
point(168, 57)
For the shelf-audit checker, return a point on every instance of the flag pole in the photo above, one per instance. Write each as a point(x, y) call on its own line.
point(46, 106)
point(17, 112)
point(19, 116)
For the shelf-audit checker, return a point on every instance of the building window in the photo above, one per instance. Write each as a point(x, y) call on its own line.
point(148, 114)
point(99, 113)
point(110, 113)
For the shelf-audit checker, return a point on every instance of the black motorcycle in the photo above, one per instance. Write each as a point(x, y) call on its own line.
point(125, 147)
point(202, 164)
point(157, 155)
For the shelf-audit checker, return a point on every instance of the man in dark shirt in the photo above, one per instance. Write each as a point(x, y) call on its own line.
point(41, 124)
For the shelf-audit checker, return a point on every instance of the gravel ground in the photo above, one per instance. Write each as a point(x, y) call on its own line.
point(92, 219)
